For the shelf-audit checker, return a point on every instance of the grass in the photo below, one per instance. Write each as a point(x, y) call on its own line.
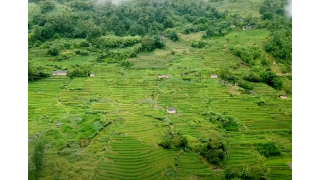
point(125, 97)
point(244, 8)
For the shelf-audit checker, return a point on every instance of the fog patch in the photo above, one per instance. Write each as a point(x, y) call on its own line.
point(288, 9)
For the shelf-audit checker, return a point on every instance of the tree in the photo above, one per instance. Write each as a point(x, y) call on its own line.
point(46, 6)
point(36, 160)
point(53, 51)
point(147, 43)
point(173, 36)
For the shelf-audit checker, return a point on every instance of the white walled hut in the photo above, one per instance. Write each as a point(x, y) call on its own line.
point(163, 76)
point(171, 110)
point(214, 76)
point(283, 96)
point(59, 73)
point(91, 74)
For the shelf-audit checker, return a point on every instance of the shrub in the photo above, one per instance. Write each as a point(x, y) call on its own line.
point(111, 41)
point(198, 44)
point(267, 149)
point(248, 54)
point(252, 77)
point(172, 142)
point(245, 85)
point(53, 51)
point(173, 36)
point(147, 43)
point(78, 72)
point(191, 30)
point(213, 151)
point(125, 63)
point(252, 172)
point(271, 79)
point(82, 52)
point(37, 159)
point(227, 122)
point(158, 43)
point(84, 43)
point(226, 75)
point(36, 72)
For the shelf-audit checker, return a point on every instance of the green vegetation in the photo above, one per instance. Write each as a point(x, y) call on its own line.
point(268, 149)
point(115, 125)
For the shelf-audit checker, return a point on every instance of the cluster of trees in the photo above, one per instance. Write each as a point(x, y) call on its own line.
point(116, 56)
point(247, 54)
point(280, 42)
point(264, 75)
point(171, 141)
point(110, 41)
point(213, 149)
point(227, 122)
point(78, 71)
point(217, 29)
point(36, 72)
point(252, 172)
point(198, 44)
point(36, 160)
point(267, 149)
point(89, 19)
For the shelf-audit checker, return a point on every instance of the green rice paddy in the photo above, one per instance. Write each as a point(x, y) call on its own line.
point(116, 110)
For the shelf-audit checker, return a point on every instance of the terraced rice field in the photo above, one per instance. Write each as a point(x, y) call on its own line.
point(116, 109)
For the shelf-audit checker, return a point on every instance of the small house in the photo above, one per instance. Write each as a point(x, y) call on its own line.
point(232, 26)
point(171, 110)
point(283, 96)
point(214, 76)
point(163, 76)
point(91, 74)
point(248, 27)
point(59, 73)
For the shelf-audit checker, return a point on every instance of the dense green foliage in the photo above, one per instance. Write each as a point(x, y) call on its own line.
point(271, 79)
point(268, 149)
point(213, 151)
point(171, 141)
point(114, 41)
point(250, 173)
point(198, 44)
point(280, 43)
point(36, 72)
point(36, 160)
point(248, 54)
point(78, 71)
point(87, 19)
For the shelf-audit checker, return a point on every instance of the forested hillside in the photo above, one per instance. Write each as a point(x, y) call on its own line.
point(108, 119)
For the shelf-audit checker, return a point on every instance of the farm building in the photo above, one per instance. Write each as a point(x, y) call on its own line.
point(283, 96)
point(248, 27)
point(171, 110)
point(59, 73)
point(214, 76)
point(163, 76)
point(91, 74)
